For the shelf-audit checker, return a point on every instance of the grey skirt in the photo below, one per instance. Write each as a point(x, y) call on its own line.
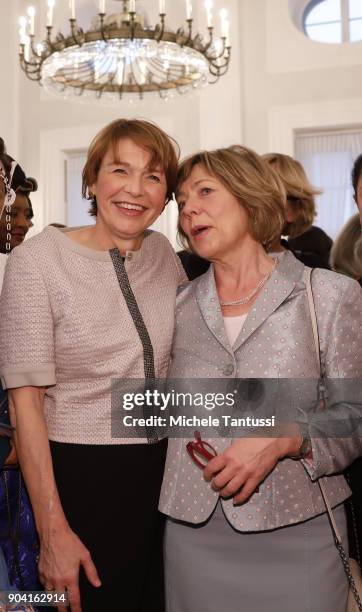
point(214, 568)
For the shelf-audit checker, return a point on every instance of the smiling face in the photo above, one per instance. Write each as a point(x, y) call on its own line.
point(211, 217)
point(130, 193)
point(20, 221)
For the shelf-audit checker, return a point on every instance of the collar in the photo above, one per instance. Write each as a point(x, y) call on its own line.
point(276, 290)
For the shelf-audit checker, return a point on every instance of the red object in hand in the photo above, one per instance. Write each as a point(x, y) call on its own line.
point(198, 449)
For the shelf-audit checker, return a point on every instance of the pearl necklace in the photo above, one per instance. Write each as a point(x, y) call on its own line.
point(250, 295)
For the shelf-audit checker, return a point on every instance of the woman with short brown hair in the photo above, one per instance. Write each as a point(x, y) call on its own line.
point(258, 189)
point(93, 305)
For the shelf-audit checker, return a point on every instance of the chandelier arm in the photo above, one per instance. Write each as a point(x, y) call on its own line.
point(76, 33)
point(213, 81)
point(50, 48)
point(189, 26)
point(219, 71)
point(218, 55)
point(103, 29)
point(30, 73)
point(211, 39)
point(32, 47)
point(29, 67)
point(214, 71)
point(219, 65)
point(132, 24)
point(160, 29)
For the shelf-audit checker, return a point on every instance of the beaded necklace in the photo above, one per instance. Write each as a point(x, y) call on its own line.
point(250, 295)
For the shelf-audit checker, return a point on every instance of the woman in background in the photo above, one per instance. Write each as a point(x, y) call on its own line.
point(357, 189)
point(21, 210)
point(308, 242)
point(18, 538)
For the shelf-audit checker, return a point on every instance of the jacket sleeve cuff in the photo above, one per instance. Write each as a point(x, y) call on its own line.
point(23, 375)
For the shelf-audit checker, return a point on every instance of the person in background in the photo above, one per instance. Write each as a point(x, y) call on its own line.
point(346, 256)
point(21, 210)
point(5, 445)
point(346, 253)
point(95, 304)
point(193, 265)
point(308, 243)
point(357, 184)
point(18, 538)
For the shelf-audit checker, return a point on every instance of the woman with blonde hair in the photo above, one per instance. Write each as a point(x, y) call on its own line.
point(303, 236)
point(250, 531)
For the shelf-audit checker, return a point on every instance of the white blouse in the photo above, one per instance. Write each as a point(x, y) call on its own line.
point(233, 326)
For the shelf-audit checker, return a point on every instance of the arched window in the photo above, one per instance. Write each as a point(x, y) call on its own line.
point(333, 21)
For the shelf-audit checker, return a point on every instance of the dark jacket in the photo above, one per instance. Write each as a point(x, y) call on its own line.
point(313, 242)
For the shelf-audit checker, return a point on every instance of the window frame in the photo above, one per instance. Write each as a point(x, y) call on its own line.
point(345, 21)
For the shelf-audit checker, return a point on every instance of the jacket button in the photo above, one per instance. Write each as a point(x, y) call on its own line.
point(229, 369)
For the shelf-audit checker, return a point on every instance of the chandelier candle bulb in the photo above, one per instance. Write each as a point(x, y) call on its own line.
point(132, 6)
point(31, 13)
point(224, 23)
point(208, 7)
point(72, 9)
point(162, 7)
point(102, 6)
point(51, 4)
point(188, 9)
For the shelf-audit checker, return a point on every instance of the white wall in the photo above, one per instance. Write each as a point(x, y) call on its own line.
point(9, 72)
point(283, 68)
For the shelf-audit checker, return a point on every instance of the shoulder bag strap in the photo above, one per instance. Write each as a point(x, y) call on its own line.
point(337, 536)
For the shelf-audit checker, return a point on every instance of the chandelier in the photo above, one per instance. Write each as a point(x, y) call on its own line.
point(120, 56)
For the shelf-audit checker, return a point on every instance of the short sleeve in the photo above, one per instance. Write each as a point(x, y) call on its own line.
point(26, 324)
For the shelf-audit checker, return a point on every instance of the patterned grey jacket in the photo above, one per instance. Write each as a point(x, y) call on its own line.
point(276, 342)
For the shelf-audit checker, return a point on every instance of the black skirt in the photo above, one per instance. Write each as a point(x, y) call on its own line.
point(110, 498)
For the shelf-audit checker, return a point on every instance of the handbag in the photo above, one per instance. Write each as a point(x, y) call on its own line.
point(351, 567)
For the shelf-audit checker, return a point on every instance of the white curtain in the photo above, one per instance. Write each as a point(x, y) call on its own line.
point(327, 158)
point(167, 223)
point(77, 208)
